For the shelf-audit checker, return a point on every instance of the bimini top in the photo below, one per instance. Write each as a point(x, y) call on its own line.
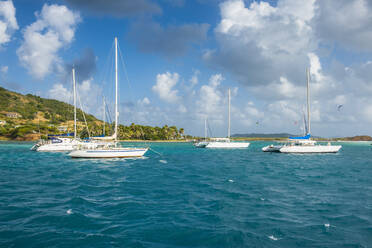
point(301, 138)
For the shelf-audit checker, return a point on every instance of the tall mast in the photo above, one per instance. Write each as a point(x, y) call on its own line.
point(308, 100)
point(104, 116)
point(228, 129)
point(304, 122)
point(74, 86)
point(205, 128)
point(116, 88)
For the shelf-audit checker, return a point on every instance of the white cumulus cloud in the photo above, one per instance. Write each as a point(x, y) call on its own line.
point(8, 21)
point(210, 97)
point(164, 86)
point(4, 69)
point(89, 95)
point(345, 22)
point(59, 92)
point(259, 43)
point(54, 29)
point(145, 101)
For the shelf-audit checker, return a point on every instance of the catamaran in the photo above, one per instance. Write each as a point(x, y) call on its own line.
point(304, 144)
point(108, 150)
point(226, 142)
point(60, 143)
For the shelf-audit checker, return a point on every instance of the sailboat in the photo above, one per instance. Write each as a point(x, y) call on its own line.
point(305, 144)
point(60, 143)
point(108, 150)
point(226, 142)
point(203, 143)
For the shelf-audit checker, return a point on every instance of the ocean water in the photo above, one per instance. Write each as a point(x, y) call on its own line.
point(186, 197)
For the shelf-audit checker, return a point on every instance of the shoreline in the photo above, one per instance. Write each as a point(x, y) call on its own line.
point(5, 139)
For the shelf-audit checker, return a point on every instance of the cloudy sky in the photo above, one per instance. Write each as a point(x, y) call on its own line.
point(181, 56)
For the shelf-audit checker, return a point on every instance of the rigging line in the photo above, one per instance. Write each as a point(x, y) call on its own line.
point(82, 110)
point(156, 151)
point(106, 67)
point(126, 73)
point(210, 130)
point(110, 73)
point(107, 75)
point(108, 115)
point(109, 119)
point(69, 102)
point(109, 103)
point(130, 90)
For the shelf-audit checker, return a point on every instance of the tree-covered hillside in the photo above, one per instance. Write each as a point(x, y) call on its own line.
point(29, 106)
point(27, 117)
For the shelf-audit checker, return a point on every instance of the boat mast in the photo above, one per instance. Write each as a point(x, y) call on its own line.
point(205, 128)
point(104, 116)
point(116, 89)
point(74, 86)
point(304, 122)
point(228, 129)
point(308, 100)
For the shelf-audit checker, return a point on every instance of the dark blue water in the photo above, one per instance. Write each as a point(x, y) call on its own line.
point(186, 198)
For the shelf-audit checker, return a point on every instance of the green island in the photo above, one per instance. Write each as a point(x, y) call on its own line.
point(29, 117)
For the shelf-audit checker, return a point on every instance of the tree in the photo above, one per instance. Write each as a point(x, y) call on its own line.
point(182, 131)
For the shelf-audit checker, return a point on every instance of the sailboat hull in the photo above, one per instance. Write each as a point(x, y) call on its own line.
point(55, 148)
point(60, 145)
point(227, 145)
point(310, 149)
point(66, 145)
point(109, 153)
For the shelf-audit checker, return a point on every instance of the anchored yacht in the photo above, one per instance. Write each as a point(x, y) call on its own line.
point(304, 144)
point(226, 142)
point(60, 143)
point(109, 150)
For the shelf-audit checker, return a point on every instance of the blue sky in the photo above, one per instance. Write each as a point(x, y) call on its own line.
point(183, 55)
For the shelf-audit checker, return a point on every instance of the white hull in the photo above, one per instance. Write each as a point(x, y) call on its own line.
point(59, 145)
point(310, 149)
point(66, 145)
point(227, 145)
point(272, 148)
point(109, 153)
point(55, 148)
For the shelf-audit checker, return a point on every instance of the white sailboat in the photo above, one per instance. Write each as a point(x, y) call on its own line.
point(63, 144)
point(203, 143)
point(226, 142)
point(305, 144)
point(107, 150)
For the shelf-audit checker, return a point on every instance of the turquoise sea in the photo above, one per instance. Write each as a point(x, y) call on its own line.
point(186, 197)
